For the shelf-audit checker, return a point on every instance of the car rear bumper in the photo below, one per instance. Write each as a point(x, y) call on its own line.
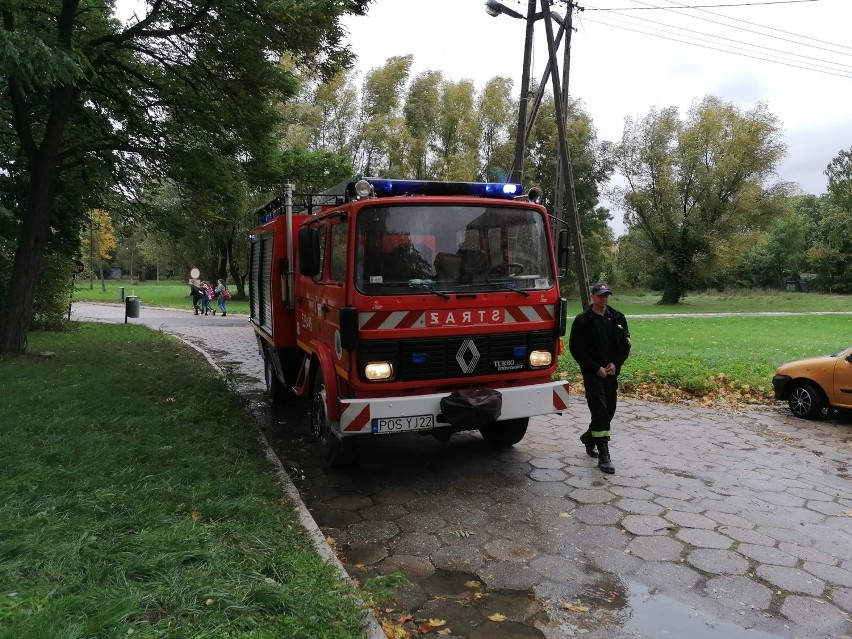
point(780, 383)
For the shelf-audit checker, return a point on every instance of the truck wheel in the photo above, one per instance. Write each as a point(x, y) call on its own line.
point(275, 389)
point(805, 401)
point(334, 451)
point(505, 434)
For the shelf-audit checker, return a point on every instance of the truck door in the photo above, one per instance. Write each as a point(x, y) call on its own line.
point(333, 288)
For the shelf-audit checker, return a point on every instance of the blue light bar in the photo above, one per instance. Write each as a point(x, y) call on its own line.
point(419, 358)
point(390, 188)
point(519, 351)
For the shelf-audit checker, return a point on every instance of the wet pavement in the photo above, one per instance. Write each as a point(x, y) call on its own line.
point(717, 524)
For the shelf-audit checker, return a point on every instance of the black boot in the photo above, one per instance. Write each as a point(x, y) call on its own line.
point(588, 442)
point(604, 461)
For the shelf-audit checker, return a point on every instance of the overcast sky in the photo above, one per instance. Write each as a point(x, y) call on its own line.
point(617, 71)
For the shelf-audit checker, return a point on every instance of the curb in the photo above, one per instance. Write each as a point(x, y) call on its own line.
point(371, 625)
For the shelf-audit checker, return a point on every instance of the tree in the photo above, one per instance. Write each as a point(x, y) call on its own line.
point(457, 135)
point(693, 185)
point(421, 120)
point(380, 114)
point(839, 173)
point(99, 243)
point(496, 118)
point(88, 104)
point(592, 168)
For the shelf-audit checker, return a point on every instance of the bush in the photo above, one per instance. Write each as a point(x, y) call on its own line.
point(53, 293)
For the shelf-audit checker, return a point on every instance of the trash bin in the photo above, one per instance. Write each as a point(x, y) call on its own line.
point(131, 307)
point(120, 293)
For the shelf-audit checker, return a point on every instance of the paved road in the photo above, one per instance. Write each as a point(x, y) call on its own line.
point(716, 524)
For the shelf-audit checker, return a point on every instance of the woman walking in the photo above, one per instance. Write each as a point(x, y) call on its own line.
point(222, 294)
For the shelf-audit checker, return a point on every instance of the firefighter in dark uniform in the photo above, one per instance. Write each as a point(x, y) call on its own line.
point(600, 342)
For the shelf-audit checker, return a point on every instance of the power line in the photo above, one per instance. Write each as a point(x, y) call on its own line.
point(679, 11)
point(702, 6)
point(747, 44)
point(754, 24)
point(754, 57)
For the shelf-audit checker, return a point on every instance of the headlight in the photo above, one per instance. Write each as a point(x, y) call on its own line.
point(378, 370)
point(540, 358)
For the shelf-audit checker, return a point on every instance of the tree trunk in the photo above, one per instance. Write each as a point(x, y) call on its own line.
point(17, 309)
point(672, 293)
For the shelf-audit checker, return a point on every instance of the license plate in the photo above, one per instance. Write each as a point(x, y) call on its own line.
point(384, 425)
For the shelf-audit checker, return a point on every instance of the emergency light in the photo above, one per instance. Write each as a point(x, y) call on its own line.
point(379, 187)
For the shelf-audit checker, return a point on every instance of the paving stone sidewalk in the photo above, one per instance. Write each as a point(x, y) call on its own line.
point(716, 523)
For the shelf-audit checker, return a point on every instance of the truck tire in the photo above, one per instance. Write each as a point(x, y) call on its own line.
point(505, 434)
point(276, 391)
point(334, 451)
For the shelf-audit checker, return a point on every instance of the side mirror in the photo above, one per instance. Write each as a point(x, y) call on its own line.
point(562, 249)
point(309, 251)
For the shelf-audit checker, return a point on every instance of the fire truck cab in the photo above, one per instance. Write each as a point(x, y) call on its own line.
point(410, 307)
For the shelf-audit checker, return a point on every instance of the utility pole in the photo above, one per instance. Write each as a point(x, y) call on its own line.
point(521, 138)
point(566, 170)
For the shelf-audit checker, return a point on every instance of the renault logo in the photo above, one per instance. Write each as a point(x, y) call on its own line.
point(468, 351)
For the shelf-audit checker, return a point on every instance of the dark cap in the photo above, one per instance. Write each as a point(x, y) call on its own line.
point(601, 288)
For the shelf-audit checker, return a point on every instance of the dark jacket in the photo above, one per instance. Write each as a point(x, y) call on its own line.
point(587, 348)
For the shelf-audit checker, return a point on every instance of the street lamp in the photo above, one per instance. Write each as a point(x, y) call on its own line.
point(495, 8)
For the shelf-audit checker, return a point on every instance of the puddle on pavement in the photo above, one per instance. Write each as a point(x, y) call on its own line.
point(462, 602)
point(636, 610)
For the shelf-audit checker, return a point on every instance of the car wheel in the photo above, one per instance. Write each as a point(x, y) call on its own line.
point(805, 401)
point(334, 451)
point(505, 434)
point(276, 391)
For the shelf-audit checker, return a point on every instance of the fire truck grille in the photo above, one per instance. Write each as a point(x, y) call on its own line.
point(467, 356)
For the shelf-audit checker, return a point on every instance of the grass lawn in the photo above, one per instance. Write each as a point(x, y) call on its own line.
point(721, 355)
point(167, 294)
point(137, 501)
point(730, 302)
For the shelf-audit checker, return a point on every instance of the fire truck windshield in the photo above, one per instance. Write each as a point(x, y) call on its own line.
point(409, 249)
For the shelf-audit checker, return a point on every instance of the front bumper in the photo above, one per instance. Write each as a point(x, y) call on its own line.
point(780, 384)
point(356, 415)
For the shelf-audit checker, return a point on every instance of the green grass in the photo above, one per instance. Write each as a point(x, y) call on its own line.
point(703, 355)
point(748, 301)
point(167, 294)
point(137, 501)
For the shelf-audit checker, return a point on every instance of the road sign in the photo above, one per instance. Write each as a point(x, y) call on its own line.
point(79, 267)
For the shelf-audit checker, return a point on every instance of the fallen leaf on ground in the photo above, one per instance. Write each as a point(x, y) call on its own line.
point(565, 515)
point(576, 608)
point(393, 631)
point(497, 617)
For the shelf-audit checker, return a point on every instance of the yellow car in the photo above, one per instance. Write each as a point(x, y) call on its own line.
point(809, 385)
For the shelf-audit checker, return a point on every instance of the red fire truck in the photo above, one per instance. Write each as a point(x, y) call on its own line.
point(410, 306)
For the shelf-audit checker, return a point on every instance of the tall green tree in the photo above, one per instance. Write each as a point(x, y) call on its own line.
point(421, 120)
point(381, 112)
point(497, 118)
point(592, 169)
point(839, 173)
point(457, 140)
point(693, 184)
point(88, 103)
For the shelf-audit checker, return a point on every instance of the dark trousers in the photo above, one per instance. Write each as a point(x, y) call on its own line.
point(601, 396)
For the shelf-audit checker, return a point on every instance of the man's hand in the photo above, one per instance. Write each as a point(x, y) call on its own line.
point(602, 371)
point(610, 369)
